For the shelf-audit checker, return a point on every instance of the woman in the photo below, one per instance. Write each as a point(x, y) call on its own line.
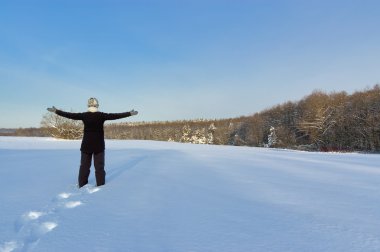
point(93, 139)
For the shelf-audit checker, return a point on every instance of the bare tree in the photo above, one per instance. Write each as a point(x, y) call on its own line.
point(318, 126)
point(60, 127)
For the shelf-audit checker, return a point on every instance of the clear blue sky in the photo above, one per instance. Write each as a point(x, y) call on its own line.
point(181, 59)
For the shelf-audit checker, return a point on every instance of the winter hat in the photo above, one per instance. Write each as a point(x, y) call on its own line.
point(93, 102)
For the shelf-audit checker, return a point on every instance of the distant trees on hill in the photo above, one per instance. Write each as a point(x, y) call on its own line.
point(36, 132)
point(320, 121)
point(195, 131)
point(328, 122)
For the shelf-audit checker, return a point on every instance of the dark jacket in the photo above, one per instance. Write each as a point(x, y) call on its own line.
point(93, 136)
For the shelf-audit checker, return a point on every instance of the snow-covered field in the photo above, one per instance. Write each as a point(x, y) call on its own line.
point(163, 196)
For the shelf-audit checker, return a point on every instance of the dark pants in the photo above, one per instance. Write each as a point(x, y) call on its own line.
point(85, 165)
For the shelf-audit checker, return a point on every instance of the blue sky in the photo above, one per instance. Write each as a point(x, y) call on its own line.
point(173, 60)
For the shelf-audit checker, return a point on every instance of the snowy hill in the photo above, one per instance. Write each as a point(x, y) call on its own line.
point(181, 197)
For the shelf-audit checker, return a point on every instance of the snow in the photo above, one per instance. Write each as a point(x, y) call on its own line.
point(165, 196)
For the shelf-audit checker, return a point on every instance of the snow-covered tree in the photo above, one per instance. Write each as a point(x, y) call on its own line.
point(186, 132)
point(210, 134)
point(199, 137)
point(272, 138)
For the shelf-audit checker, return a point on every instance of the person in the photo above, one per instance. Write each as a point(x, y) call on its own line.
point(93, 145)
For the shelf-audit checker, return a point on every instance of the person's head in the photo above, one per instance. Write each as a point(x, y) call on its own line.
point(92, 102)
point(92, 105)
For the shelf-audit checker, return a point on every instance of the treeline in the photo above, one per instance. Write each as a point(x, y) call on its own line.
point(321, 121)
point(189, 131)
point(30, 132)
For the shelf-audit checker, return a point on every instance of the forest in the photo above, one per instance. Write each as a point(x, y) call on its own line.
point(321, 121)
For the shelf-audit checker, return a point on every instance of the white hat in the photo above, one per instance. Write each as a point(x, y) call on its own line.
point(93, 102)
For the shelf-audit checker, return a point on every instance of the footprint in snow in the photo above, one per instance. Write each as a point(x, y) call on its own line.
point(92, 190)
point(33, 228)
point(33, 215)
point(73, 204)
point(26, 218)
point(9, 246)
point(33, 225)
point(64, 195)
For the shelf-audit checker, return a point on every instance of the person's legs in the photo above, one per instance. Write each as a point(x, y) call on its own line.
point(100, 173)
point(84, 170)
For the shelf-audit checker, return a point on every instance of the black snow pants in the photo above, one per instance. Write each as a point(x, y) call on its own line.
point(85, 165)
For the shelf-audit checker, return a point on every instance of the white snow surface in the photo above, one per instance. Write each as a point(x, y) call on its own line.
point(165, 196)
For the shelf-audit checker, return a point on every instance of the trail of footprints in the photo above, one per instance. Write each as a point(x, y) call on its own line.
point(33, 225)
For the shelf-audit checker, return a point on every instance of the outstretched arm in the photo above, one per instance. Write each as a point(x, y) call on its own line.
point(74, 116)
point(114, 116)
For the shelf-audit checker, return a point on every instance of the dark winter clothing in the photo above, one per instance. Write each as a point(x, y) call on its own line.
point(85, 165)
point(92, 142)
point(93, 137)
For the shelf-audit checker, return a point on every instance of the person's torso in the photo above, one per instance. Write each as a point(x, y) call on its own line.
point(93, 122)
